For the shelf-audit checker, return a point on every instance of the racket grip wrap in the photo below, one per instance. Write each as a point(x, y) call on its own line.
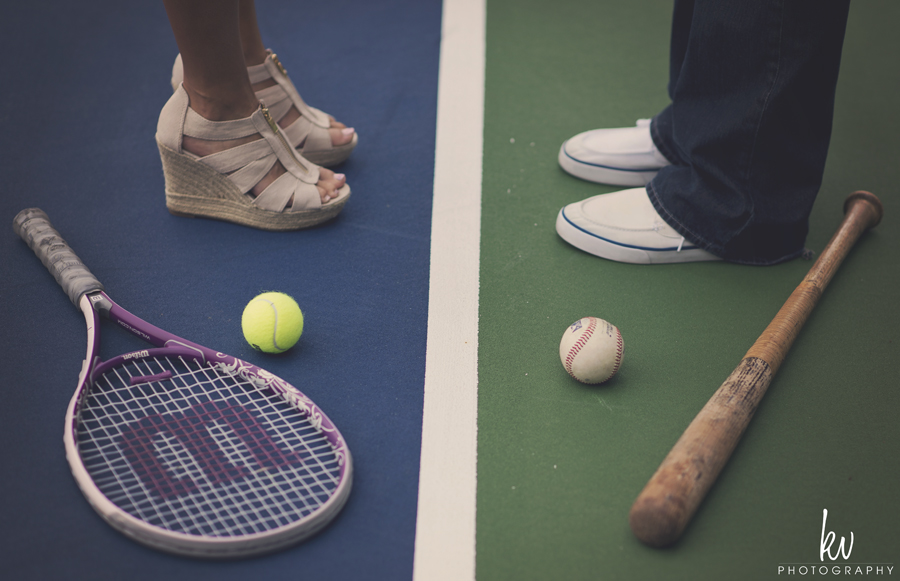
point(34, 227)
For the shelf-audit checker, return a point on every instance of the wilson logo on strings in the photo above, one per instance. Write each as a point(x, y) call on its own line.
point(192, 430)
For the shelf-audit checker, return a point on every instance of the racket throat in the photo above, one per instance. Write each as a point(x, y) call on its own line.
point(100, 303)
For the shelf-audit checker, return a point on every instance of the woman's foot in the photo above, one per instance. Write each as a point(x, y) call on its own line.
point(329, 182)
point(340, 133)
point(221, 163)
point(315, 134)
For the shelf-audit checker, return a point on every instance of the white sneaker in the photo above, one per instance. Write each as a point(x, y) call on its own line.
point(620, 157)
point(625, 227)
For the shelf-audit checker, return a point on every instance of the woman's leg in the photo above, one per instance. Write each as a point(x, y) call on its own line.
point(209, 37)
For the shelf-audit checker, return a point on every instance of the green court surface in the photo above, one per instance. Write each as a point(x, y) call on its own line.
point(559, 463)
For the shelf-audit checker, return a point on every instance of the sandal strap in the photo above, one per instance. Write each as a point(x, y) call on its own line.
point(245, 165)
point(235, 158)
point(311, 129)
point(289, 158)
point(278, 72)
point(252, 173)
point(304, 131)
point(282, 190)
point(276, 99)
point(313, 135)
point(259, 73)
point(202, 128)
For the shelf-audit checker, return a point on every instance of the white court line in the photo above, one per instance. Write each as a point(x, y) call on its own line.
point(445, 525)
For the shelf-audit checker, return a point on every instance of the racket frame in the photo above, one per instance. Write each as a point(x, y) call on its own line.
point(86, 292)
point(95, 304)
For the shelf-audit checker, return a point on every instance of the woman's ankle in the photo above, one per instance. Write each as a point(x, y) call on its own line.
point(255, 56)
point(221, 105)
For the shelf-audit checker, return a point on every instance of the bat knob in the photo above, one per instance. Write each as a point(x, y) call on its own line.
point(870, 202)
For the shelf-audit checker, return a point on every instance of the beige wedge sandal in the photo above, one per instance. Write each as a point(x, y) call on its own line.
point(218, 185)
point(309, 133)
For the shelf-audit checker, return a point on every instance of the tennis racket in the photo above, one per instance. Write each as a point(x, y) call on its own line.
point(185, 449)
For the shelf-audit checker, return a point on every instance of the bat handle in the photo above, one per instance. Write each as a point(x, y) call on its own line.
point(34, 227)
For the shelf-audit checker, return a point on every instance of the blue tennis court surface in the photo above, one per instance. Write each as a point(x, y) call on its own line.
point(78, 111)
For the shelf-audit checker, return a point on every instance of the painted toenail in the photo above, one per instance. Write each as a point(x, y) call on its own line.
point(339, 176)
point(348, 131)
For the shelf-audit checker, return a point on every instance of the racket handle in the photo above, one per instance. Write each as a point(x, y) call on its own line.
point(34, 227)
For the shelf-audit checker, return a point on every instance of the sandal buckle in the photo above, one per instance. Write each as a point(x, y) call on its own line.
point(278, 64)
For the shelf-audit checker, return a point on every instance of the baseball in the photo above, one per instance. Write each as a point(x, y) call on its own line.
point(591, 350)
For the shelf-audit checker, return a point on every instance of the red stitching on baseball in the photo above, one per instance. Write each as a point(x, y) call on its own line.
point(579, 345)
point(620, 346)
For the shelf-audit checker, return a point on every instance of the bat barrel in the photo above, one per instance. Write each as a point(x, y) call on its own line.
point(664, 508)
point(672, 496)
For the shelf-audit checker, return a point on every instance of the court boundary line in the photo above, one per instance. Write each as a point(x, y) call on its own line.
point(445, 523)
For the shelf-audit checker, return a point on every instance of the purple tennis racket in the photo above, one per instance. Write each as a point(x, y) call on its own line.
point(186, 449)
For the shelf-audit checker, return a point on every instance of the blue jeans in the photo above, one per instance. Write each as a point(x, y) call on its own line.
point(752, 85)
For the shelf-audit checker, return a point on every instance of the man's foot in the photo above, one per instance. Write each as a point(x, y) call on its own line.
point(625, 227)
point(619, 157)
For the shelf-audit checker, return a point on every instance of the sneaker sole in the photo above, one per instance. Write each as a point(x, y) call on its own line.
point(611, 250)
point(601, 174)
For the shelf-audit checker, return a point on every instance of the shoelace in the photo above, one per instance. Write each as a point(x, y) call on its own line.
point(657, 226)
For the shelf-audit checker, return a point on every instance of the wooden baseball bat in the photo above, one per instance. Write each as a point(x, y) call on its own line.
point(666, 505)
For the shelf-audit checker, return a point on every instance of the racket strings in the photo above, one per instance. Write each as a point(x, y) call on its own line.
point(197, 450)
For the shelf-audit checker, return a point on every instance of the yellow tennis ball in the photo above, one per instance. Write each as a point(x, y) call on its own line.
point(272, 322)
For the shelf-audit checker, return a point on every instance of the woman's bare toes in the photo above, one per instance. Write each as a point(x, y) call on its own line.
point(341, 136)
point(340, 133)
point(329, 184)
point(335, 124)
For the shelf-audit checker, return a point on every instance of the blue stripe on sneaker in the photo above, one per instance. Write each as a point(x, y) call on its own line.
point(684, 247)
point(637, 170)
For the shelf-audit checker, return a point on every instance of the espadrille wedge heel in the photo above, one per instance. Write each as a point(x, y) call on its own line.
point(309, 132)
point(220, 185)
